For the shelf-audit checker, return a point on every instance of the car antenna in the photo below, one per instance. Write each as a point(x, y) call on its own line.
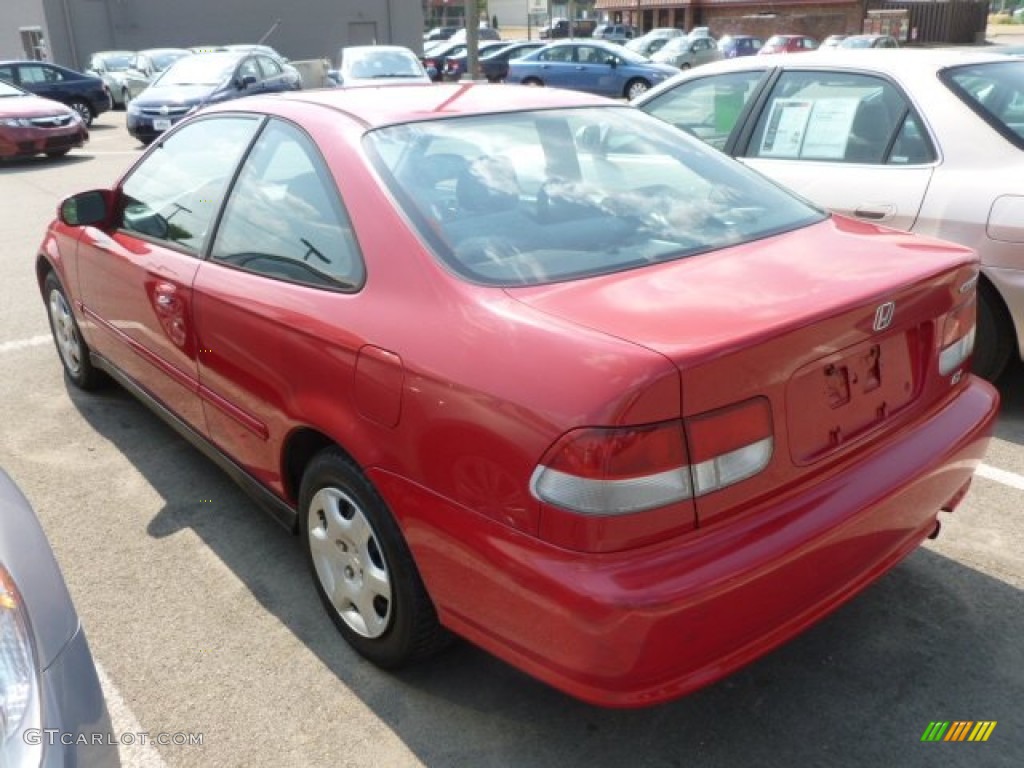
point(273, 28)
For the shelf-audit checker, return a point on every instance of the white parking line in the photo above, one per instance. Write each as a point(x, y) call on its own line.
point(14, 346)
point(133, 752)
point(1011, 479)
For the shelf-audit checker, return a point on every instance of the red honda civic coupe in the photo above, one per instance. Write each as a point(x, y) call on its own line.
point(533, 368)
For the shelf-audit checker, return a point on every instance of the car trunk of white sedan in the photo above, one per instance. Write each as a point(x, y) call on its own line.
point(790, 362)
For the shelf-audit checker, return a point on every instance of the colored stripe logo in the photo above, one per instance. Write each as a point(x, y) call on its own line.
point(958, 730)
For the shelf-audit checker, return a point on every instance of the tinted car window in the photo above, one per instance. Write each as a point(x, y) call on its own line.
point(589, 192)
point(709, 107)
point(7, 73)
point(829, 116)
point(270, 67)
point(248, 68)
point(994, 91)
point(175, 193)
point(33, 73)
point(284, 218)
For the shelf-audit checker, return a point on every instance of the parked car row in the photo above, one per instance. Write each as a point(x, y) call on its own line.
point(85, 94)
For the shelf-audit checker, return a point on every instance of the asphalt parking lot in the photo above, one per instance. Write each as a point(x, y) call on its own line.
point(203, 619)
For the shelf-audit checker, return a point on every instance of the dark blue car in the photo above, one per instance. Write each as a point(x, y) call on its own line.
point(85, 94)
point(593, 66)
point(205, 78)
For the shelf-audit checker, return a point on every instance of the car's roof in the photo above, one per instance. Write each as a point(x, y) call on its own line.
point(892, 61)
point(151, 51)
point(412, 103)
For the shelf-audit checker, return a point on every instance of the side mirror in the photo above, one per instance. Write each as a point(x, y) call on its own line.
point(245, 81)
point(613, 62)
point(86, 209)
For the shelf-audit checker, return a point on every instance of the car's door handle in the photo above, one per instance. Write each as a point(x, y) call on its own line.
point(579, 68)
point(875, 211)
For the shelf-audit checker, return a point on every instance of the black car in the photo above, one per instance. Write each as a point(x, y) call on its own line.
point(205, 78)
point(454, 67)
point(732, 46)
point(494, 66)
point(85, 94)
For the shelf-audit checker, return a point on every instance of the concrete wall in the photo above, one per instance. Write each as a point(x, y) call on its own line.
point(308, 29)
point(15, 14)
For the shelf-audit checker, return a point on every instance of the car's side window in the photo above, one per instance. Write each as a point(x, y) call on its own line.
point(561, 53)
point(7, 73)
point(284, 217)
point(707, 107)
point(270, 67)
point(31, 73)
point(174, 194)
point(912, 145)
point(831, 116)
point(248, 68)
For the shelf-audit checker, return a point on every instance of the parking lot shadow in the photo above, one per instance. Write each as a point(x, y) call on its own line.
point(1010, 425)
point(932, 640)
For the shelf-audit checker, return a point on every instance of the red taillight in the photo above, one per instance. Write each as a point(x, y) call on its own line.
point(730, 444)
point(430, 63)
point(612, 488)
point(958, 331)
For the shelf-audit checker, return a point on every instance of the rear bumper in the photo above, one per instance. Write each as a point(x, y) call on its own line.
point(649, 625)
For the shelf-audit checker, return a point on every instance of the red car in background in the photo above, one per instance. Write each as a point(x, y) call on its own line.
point(788, 44)
point(532, 367)
point(30, 125)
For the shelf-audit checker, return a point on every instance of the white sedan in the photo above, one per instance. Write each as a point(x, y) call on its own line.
point(925, 140)
point(373, 65)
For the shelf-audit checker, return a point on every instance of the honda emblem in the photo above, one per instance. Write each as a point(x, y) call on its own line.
point(883, 316)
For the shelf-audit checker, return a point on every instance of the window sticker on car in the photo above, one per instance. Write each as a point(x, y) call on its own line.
point(798, 128)
point(829, 129)
point(787, 124)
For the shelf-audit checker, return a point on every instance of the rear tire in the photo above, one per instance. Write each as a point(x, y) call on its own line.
point(71, 348)
point(362, 568)
point(532, 81)
point(83, 111)
point(126, 98)
point(58, 152)
point(995, 340)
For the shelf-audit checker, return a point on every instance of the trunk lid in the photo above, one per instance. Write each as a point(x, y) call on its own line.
point(838, 324)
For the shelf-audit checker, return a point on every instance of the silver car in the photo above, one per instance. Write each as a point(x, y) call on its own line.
point(688, 51)
point(930, 141)
point(112, 67)
point(52, 711)
point(144, 68)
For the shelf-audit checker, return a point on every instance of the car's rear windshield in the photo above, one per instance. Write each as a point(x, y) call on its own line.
point(533, 197)
point(994, 90)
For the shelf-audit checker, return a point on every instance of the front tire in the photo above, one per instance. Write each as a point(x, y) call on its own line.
point(635, 87)
point(72, 350)
point(533, 81)
point(126, 98)
point(58, 152)
point(361, 566)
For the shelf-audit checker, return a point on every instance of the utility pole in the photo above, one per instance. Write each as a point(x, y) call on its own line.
point(472, 14)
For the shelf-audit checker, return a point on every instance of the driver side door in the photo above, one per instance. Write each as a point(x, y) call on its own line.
point(136, 278)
